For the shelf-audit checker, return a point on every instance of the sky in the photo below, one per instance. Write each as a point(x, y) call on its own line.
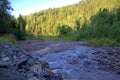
point(26, 7)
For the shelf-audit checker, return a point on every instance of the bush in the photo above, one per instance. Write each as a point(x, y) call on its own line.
point(105, 42)
point(20, 35)
point(65, 31)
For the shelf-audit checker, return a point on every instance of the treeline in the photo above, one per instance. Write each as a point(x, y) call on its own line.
point(104, 26)
point(95, 20)
point(48, 22)
point(9, 26)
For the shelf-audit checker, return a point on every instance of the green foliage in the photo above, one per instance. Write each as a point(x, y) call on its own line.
point(105, 26)
point(104, 29)
point(97, 21)
point(104, 42)
point(20, 35)
point(8, 25)
point(65, 31)
point(47, 22)
point(5, 8)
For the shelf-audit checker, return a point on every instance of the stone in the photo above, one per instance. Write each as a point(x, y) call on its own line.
point(54, 65)
point(32, 69)
point(25, 66)
point(4, 64)
point(44, 64)
point(22, 60)
point(6, 74)
point(82, 56)
point(16, 65)
point(31, 61)
point(87, 63)
point(6, 58)
point(30, 74)
point(37, 69)
point(33, 78)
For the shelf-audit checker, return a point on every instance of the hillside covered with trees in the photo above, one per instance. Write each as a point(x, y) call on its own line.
point(94, 20)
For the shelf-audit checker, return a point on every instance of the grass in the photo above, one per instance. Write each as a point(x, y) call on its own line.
point(96, 42)
point(7, 39)
point(104, 42)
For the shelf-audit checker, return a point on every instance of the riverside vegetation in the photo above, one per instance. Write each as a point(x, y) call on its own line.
point(97, 21)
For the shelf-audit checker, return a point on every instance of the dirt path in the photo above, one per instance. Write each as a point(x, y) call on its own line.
point(74, 60)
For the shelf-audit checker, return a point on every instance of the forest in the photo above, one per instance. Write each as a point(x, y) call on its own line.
point(97, 21)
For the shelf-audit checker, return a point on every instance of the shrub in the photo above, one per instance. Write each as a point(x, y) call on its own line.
point(65, 31)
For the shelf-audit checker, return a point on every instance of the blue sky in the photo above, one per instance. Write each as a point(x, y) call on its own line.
point(26, 7)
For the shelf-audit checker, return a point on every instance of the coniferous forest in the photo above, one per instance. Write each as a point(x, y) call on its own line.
point(97, 21)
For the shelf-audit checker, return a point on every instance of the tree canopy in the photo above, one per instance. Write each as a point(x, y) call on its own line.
point(8, 24)
point(47, 22)
point(89, 19)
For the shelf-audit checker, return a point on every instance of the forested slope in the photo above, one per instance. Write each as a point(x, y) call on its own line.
point(97, 21)
point(48, 22)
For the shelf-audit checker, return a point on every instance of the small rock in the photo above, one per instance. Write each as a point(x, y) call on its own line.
point(82, 56)
point(6, 74)
point(31, 61)
point(37, 69)
point(87, 63)
point(30, 74)
point(4, 64)
point(5, 59)
point(33, 78)
point(25, 66)
point(22, 60)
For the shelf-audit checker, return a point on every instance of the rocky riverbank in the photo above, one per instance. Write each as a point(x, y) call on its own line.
point(85, 63)
point(108, 59)
point(16, 65)
point(54, 60)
